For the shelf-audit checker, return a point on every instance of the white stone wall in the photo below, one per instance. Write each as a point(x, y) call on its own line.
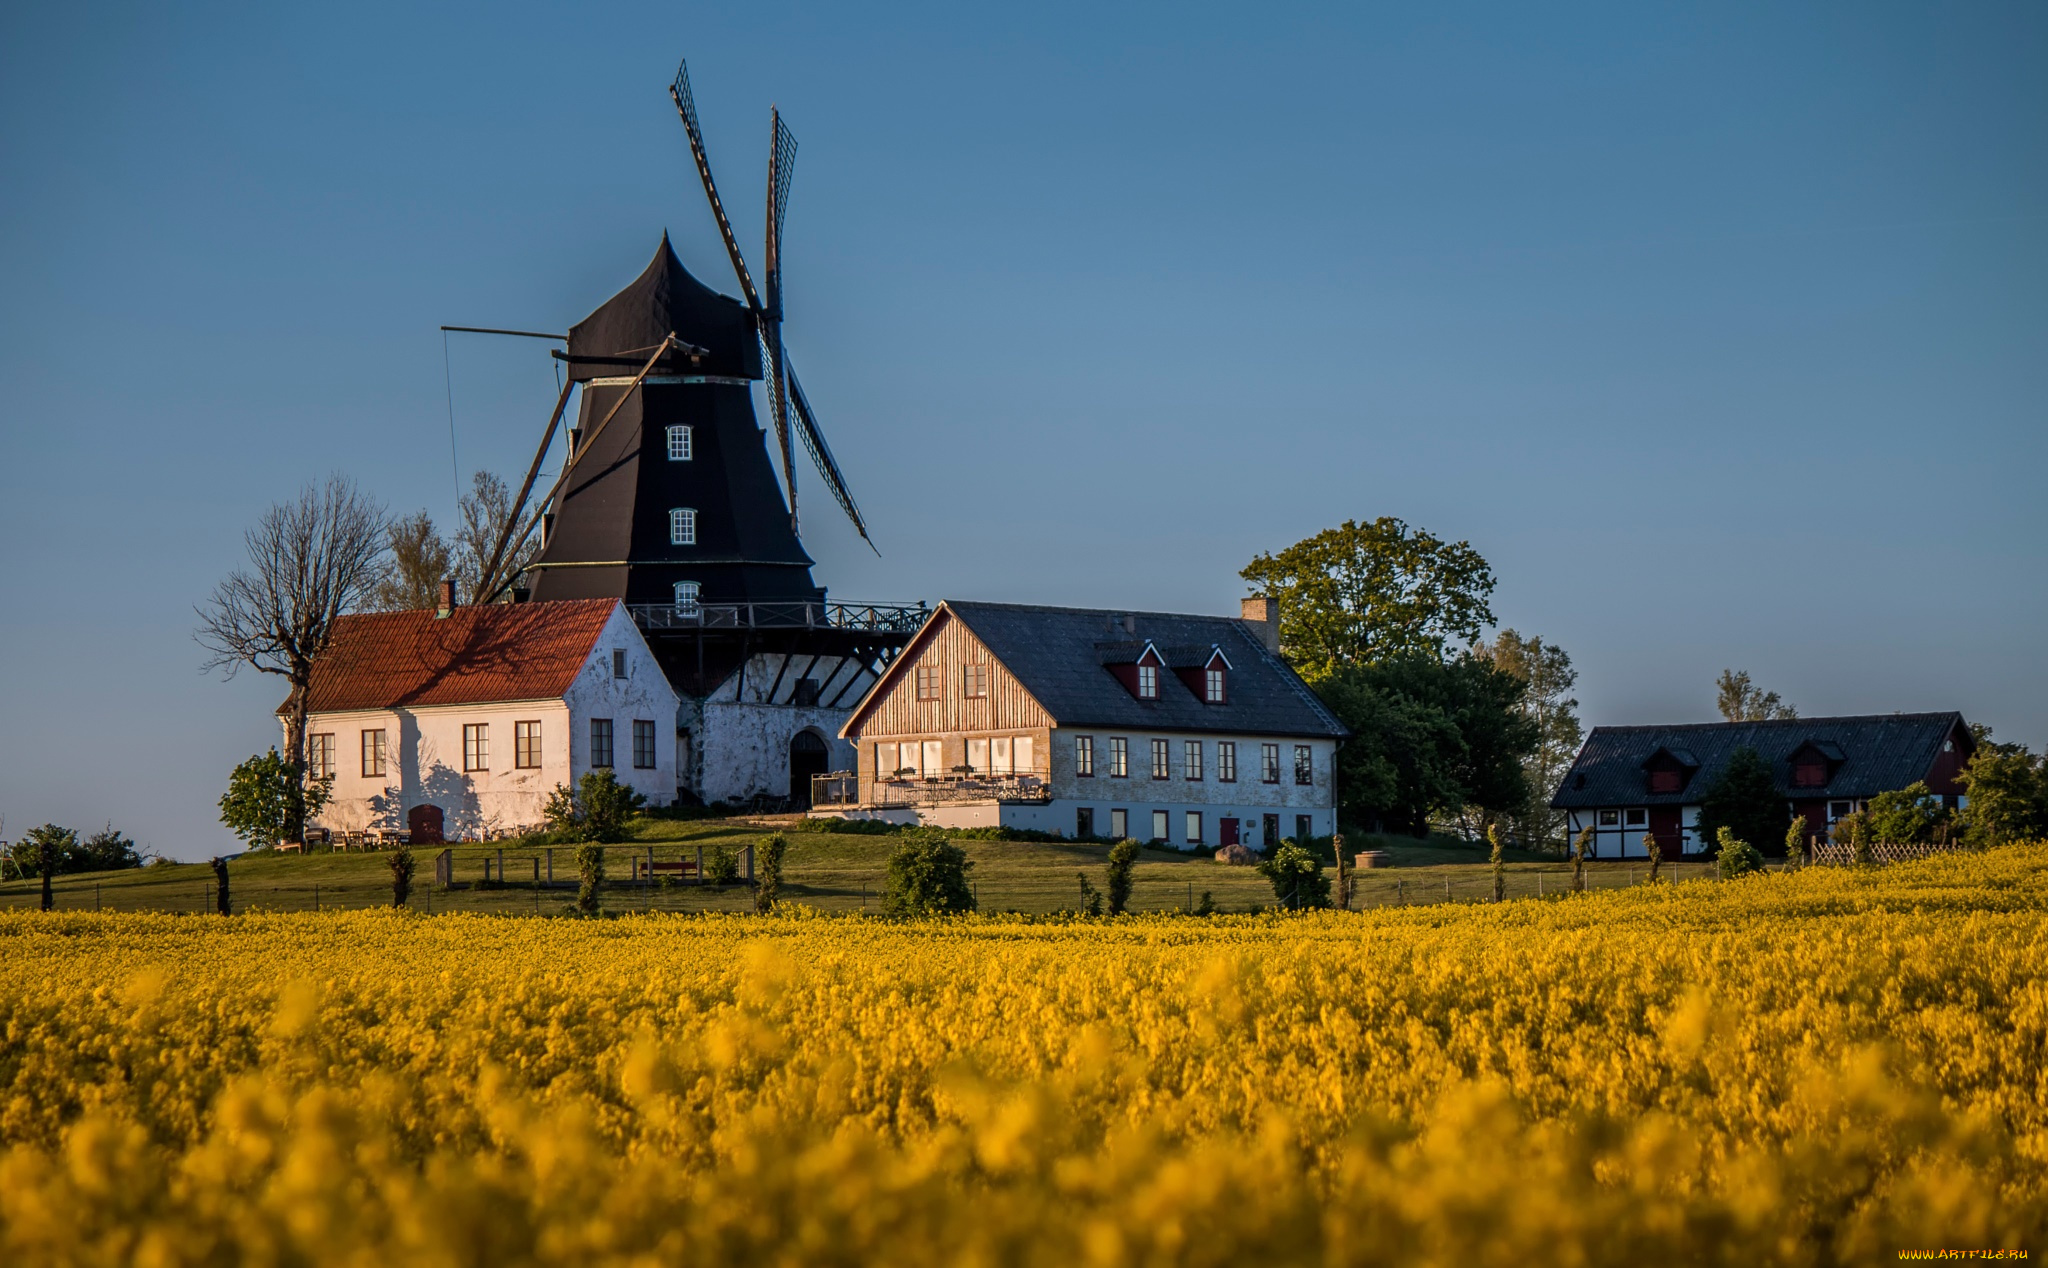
point(740, 735)
point(424, 748)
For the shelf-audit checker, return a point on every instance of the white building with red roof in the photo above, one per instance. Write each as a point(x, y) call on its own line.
point(455, 723)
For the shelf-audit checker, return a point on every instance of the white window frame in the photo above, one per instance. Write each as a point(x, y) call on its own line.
point(1193, 827)
point(1269, 763)
point(1148, 682)
point(682, 526)
point(1226, 761)
point(375, 750)
point(320, 755)
point(526, 750)
point(687, 599)
point(1213, 685)
point(682, 443)
point(1084, 757)
point(1119, 757)
point(476, 746)
point(1191, 760)
point(1162, 827)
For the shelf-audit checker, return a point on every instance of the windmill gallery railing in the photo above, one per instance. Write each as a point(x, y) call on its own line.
point(881, 618)
point(842, 788)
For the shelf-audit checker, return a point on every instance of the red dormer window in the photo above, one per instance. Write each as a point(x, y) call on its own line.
point(1810, 775)
point(1665, 781)
point(1148, 682)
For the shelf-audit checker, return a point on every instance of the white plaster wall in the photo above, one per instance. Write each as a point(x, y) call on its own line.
point(741, 736)
point(643, 694)
point(1626, 842)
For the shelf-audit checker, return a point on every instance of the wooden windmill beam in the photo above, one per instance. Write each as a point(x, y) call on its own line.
point(488, 582)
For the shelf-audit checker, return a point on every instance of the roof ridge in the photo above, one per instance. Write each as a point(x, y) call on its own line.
point(1785, 722)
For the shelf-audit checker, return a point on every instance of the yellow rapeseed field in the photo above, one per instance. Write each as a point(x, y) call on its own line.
point(1824, 1067)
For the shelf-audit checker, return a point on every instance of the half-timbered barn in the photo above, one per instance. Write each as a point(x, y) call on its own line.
point(1635, 781)
point(1189, 730)
point(457, 722)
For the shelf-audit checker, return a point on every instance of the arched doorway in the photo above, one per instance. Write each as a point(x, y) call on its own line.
point(808, 755)
point(423, 823)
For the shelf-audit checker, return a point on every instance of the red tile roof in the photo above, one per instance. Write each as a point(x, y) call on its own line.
point(474, 655)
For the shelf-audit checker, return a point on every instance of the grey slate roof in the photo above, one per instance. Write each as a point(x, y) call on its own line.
point(1879, 753)
point(1058, 654)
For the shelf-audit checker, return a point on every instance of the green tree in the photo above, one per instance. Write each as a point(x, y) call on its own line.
point(606, 805)
point(768, 872)
point(106, 851)
point(1359, 593)
point(51, 844)
point(721, 865)
point(1734, 856)
point(419, 560)
point(1795, 841)
point(590, 877)
point(266, 800)
point(1741, 701)
point(1123, 862)
point(1906, 816)
point(2008, 794)
point(1296, 876)
point(927, 877)
point(1744, 799)
point(1429, 737)
point(1547, 676)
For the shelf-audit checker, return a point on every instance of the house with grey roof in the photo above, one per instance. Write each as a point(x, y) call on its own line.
point(1635, 781)
point(1181, 729)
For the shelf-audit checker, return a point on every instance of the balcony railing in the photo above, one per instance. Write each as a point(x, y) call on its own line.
point(882, 618)
point(842, 788)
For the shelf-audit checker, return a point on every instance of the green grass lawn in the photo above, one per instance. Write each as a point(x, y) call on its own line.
point(828, 871)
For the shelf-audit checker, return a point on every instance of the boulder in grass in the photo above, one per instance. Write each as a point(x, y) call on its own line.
point(1236, 856)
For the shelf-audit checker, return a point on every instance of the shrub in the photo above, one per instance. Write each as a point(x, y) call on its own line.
point(563, 816)
point(1906, 816)
point(1123, 860)
point(1745, 800)
point(105, 851)
point(607, 805)
point(1297, 877)
point(768, 871)
point(590, 871)
point(1091, 897)
point(401, 875)
point(1206, 905)
point(721, 865)
point(927, 876)
point(1735, 856)
point(1795, 842)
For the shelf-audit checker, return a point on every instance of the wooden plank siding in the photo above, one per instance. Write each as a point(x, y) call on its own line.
point(895, 713)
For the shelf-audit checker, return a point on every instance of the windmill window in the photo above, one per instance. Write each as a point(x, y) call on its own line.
point(681, 446)
point(1148, 682)
point(686, 597)
point(682, 527)
point(806, 694)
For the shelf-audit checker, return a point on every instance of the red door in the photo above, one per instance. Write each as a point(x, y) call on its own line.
point(1664, 827)
point(424, 823)
point(1228, 830)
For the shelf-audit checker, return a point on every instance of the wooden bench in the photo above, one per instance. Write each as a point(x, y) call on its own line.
point(648, 869)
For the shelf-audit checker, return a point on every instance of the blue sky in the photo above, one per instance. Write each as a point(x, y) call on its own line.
point(1721, 331)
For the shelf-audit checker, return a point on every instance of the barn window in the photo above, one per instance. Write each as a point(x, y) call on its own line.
point(1148, 682)
point(927, 682)
point(682, 527)
point(1084, 758)
point(681, 447)
point(526, 745)
point(974, 681)
point(686, 597)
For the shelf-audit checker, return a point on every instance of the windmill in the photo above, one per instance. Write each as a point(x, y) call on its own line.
point(786, 401)
point(669, 352)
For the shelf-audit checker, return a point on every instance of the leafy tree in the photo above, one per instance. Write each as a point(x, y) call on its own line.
point(1744, 800)
point(1429, 737)
point(1734, 856)
point(418, 563)
point(106, 851)
point(601, 807)
point(927, 877)
point(1296, 876)
point(1547, 674)
point(1360, 593)
point(1123, 861)
point(2008, 791)
point(1741, 701)
point(721, 865)
point(486, 513)
point(1905, 816)
point(310, 561)
point(51, 844)
point(768, 872)
point(266, 800)
point(563, 815)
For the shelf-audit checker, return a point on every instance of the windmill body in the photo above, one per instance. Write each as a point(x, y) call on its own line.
point(656, 516)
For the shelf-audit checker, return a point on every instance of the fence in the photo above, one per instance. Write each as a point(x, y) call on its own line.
point(1842, 854)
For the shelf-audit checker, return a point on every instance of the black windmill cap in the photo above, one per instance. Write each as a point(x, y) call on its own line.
point(616, 340)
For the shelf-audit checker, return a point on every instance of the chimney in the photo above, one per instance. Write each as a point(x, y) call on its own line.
point(447, 598)
point(1262, 615)
point(1130, 623)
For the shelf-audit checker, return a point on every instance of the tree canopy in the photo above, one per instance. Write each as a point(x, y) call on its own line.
point(1744, 800)
point(1547, 675)
point(1742, 701)
point(1360, 593)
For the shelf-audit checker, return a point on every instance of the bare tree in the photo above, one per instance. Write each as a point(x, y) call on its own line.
point(420, 559)
point(310, 560)
point(1741, 701)
point(486, 509)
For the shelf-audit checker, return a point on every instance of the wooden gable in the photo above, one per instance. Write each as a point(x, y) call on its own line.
point(939, 657)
